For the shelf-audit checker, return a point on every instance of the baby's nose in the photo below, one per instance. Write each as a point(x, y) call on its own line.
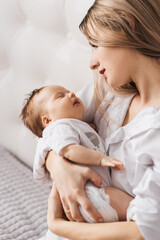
point(71, 94)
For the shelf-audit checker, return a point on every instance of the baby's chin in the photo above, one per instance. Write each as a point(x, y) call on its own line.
point(78, 112)
point(72, 116)
point(79, 116)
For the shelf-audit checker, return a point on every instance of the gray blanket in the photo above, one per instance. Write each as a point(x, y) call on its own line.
point(23, 202)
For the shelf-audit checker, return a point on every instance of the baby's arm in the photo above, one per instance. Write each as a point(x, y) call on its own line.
point(81, 154)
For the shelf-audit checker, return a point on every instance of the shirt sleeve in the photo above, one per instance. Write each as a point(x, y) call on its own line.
point(145, 208)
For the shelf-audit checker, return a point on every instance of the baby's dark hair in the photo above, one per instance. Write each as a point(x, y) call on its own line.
point(30, 113)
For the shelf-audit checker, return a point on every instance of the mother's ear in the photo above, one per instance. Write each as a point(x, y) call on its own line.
point(130, 21)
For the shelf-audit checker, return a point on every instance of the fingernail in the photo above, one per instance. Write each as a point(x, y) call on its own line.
point(100, 220)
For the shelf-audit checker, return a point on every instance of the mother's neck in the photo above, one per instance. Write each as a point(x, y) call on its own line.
point(146, 76)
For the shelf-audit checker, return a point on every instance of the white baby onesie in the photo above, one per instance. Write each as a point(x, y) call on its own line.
point(64, 132)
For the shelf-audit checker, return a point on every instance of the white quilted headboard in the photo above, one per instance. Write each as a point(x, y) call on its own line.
point(40, 44)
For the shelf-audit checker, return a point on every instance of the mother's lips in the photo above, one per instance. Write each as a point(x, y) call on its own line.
point(102, 71)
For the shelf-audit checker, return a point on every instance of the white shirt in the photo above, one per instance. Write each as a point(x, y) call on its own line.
point(137, 145)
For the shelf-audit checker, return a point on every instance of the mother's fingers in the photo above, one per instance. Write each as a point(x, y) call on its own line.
point(94, 177)
point(67, 210)
point(71, 210)
point(75, 212)
point(90, 208)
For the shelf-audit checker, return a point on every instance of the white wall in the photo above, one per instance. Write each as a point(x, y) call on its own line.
point(40, 44)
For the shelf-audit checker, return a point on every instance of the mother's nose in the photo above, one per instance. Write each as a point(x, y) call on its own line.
point(94, 64)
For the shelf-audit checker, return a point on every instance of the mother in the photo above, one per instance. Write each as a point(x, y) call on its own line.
point(125, 36)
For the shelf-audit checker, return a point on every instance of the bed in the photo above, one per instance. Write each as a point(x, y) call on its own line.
point(23, 202)
point(40, 44)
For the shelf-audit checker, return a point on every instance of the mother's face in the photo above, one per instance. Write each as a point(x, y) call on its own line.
point(116, 64)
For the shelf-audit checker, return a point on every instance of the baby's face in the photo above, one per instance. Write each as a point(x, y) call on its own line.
point(60, 103)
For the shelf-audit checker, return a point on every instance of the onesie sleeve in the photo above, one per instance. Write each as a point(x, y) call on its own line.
point(40, 173)
point(57, 136)
point(145, 208)
point(61, 135)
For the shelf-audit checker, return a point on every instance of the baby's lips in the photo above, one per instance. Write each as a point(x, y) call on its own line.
point(75, 101)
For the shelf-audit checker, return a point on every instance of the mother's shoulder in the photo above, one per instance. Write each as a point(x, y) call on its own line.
point(148, 118)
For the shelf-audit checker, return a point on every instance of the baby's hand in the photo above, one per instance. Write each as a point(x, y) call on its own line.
point(111, 162)
point(92, 125)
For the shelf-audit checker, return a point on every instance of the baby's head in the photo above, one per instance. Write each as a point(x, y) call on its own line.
point(48, 104)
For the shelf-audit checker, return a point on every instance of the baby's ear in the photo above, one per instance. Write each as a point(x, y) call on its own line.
point(45, 120)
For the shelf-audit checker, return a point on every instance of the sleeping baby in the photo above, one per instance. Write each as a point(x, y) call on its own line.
point(55, 114)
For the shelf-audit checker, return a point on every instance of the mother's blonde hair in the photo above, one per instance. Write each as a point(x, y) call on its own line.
point(135, 24)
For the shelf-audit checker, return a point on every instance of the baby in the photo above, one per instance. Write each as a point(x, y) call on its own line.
point(55, 115)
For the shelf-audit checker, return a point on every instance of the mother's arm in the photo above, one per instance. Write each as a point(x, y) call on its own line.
point(70, 180)
point(100, 231)
point(87, 231)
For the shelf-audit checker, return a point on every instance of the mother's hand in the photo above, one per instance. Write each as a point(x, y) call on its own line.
point(70, 180)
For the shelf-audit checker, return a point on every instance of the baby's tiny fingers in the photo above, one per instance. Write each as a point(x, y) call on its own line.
point(119, 165)
point(108, 164)
point(112, 162)
point(115, 161)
